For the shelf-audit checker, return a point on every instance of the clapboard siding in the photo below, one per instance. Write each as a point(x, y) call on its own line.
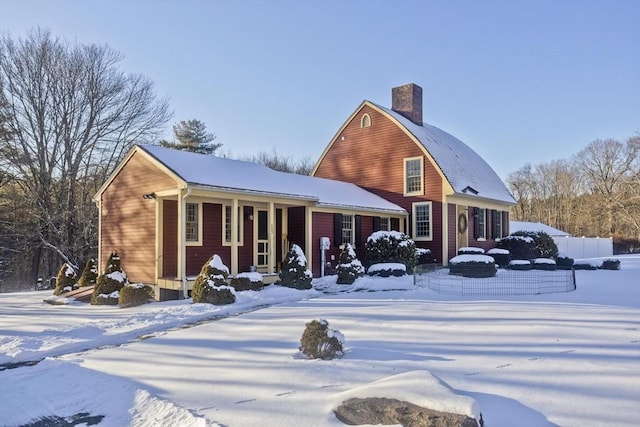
point(128, 220)
point(322, 226)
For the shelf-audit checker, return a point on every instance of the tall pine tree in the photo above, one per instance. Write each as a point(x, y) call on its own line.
point(191, 135)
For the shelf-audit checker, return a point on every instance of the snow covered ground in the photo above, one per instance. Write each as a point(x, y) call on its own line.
point(558, 359)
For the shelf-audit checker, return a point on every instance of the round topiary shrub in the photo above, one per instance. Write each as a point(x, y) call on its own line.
point(320, 342)
point(135, 294)
point(520, 264)
point(545, 245)
point(520, 247)
point(294, 272)
point(583, 264)
point(470, 251)
point(391, 246)
point(564, 262)
point(350, 267)
point(387, 269)
point(65, 280)
point(247, 282)
point(89, 275)
point(610, 264)
point(544, 264)
point(476, 266)
point(211, 284)
point(109, 283)
point(500, 256)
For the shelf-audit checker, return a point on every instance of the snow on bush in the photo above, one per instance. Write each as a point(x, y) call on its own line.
point(520, 264)
point(247, 282)
point(65, 280)
point(468, 250)
point(321, 342)
point(89, 275)
point(135, 294)
point(109, 283)
point(544, 264)
point(294, 272)
point(350, 267)
point(387, 269)
point(501, 256)
point(610, 264)
point(211, 284)
point(472, 266)
point(391, 246)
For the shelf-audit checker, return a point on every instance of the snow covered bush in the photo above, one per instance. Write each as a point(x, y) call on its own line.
point(564, 262)
point(65, 280)
point(211, 284)
point(472, 266)
point(520, 247)
point(585, 264)
point(89, 275)
point(247, 282)
point(391, 246)
point(544, 264)
point(350, 267)
point(610, 264)
point(321, 342)
point(520, 264)
point(470, 251)
point(387, 269)
point(500, 256)
point(294, 273)
point(109, 283)
point(135, 294)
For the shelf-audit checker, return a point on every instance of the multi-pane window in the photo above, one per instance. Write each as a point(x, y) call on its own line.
point(192, 222)
point(366, 121)
point(347, 229)
point(384, 224)
point(227, 224)
point(422, 224)
point(497, 225)
point(413, 175)
point(481, 232)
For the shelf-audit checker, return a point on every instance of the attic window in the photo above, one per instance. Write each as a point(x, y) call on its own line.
point(365, 122)
point(413, 176)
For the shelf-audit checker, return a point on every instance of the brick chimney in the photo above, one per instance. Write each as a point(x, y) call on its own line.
point(407, 100)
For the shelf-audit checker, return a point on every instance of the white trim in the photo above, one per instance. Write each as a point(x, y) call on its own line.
point(413, 221)
point(419, 192)
point(240, 228)
point(364, 117)
point(199, 222)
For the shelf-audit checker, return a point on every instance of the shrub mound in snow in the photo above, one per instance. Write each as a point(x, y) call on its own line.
point(500, 256)
point(247, 282)
point(391, 246)
point(520, 264)
point(470, 251)
point(544, 264)
point(472, 266)
point(564, 262)
point(350, 267)
point(135, 294)
point(321, 342)
point(387, 269)
point(109, 283)
point(610, 264)
point(294, 273)
point(211, 284)
point(89, 275)
point(65, 280)
point(520, 247)
point(585, 264)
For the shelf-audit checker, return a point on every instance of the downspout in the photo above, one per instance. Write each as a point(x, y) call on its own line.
point(183, 244)
point(98, 203)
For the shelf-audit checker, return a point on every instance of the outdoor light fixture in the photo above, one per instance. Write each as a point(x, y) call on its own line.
point(149, 196)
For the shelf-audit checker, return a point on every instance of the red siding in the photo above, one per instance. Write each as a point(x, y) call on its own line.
point(170, 239)
point(245, 252)
point(453, 230)
point(295, 232)
point(322, 227)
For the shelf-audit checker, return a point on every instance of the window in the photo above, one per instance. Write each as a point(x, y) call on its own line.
point(497, 224)
point(366, 121)
point(384, 224)
point(192, 222)
point(227, 225)
point(422, 224)
point(481, 224)
point(413, 176)
point(347, 229)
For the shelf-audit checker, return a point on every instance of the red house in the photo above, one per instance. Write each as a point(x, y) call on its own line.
point(453, 197)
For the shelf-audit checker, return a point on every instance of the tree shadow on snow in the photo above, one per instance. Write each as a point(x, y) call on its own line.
point(500, 411)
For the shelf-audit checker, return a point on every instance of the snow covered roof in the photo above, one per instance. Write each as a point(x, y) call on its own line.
point(236, 175)
point(534, 227)
point(465, 170)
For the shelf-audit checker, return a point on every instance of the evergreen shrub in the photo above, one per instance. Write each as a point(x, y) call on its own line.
point(519, 246)
point(89, 275)
point(476, 266)
point(500, 256)
point(211, 284)
point(520, 264)
point(350, 267)
point(109, 283)
point(247, 282)
point(584, 265)
point(391, 246)
point(564, 262)
point(387, 269)
point(65, 280)
point(470, 251)
point(544, 264)
point(321, 342)
point(611, 264)
point(135, 294)
point(294, 272)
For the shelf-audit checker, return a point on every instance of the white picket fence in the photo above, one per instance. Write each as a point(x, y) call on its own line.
point(585, 247)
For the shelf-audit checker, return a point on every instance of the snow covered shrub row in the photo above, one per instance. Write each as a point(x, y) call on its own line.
point(109, 284)
point(349, 268)
point(544, 264)
point(500, 256)
point(321, 342)
point(294, 273)
point(391, 247)
point(470, 251)
point(520, 264)
point(211, 284)
point(387, 269)
point(472, 266)
point(65, 280)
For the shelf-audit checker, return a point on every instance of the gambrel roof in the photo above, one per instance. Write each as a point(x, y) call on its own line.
point(229, 175)
point(467, 172)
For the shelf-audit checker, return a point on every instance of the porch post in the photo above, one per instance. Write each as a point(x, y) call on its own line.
point(308, 250)
point(445, 232)
point(272, 237)
point(182, 240)
point(159, 231)
point(234, 236)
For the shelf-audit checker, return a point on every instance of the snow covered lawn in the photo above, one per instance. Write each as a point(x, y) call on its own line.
point(558, 359)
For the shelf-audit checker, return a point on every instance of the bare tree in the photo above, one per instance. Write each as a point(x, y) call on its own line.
point(68, 116)
point(279, 162)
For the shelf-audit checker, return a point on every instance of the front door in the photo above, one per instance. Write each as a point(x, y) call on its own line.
point(462, 226)
point(262, 241)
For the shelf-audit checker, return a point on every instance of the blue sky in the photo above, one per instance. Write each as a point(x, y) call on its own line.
point(518, 81)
